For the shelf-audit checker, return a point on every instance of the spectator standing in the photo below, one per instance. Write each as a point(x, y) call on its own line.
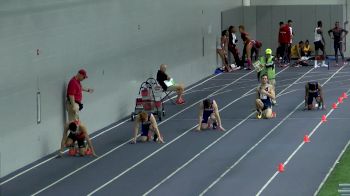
point(232, 46)
point(338, 35)
point(319, 45)
point(75, 95)
point(284, 37)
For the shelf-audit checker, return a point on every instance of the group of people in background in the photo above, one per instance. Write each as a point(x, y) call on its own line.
point(75, 134)
point(228, 44)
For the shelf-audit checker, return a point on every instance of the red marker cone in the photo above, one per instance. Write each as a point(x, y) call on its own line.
point(324, 118)
point(274, 114)
point(340, 99)
point(344, 95)
point(281, 167)
point(334, 105)
point(306, 139)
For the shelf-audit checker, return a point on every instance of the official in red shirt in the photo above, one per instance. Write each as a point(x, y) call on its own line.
point(75, 95)
point(284, 37)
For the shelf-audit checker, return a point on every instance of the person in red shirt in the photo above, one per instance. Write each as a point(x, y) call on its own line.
point(284, 37)
point(75, 95)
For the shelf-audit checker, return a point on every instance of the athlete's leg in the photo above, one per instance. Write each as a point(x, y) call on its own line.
point(267, 113)
point(336, 47)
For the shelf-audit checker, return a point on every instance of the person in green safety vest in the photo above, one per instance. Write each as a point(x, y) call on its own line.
point(267, 62)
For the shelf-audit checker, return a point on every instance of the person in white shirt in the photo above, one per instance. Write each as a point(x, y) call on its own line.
point(319, 45)
point(232, 47)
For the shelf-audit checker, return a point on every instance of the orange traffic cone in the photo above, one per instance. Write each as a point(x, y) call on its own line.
point(324, 118)
point(334, 105)
point(274, 114)
point(344, 95)
point(340, 99)
point(281, 167)
point(306, 139)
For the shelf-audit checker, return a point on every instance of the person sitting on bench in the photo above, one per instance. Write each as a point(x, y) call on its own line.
point(162, 78)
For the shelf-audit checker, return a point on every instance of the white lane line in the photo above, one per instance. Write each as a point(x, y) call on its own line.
point(197, 155)
point(331, 169)
point(279, 81)
point(53, 157)
point(251, 149)
point(299, 147)
point(127, 142)
point(115, 178)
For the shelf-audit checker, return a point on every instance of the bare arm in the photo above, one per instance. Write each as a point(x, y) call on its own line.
point(345, 33)
point(217, 114)
point(321, 96)
point(329, 33)
point(200, 116)
point(64, 139)
point(270, 93)
point(321, 32)
point(306, 94)
point(298, 51)
point(89, 90)
point(155, 127)
point(136, 129)
point(71, 99)
point(88, 140)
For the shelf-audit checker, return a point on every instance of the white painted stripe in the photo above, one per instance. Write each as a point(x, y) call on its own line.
point(301, 144)
point(332, 168)
point(206, 148)
point(167, 144)
point(110, 151)
point(254, 146)
point(107, 130)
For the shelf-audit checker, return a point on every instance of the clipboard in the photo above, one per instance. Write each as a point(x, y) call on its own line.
point(258, 66)
point(170, 82)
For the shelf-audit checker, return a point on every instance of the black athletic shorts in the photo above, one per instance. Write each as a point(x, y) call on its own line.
point(311, 97)
point(81, 142)
point(319, 45)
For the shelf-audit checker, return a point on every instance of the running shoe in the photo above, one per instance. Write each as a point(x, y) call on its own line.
point(259, 115)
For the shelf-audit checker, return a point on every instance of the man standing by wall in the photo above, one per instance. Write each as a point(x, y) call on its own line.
point(75, 95)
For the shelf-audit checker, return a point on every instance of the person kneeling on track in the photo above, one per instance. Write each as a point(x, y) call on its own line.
point(265, 93)
point(148, 126)
point(314, 90)
point(269, 68)
point(209, 115)
point(77, 132)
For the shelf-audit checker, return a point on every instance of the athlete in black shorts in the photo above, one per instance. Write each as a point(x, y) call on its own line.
point(314, 90)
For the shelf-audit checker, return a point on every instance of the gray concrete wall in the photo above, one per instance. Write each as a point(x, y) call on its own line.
point(120, 44)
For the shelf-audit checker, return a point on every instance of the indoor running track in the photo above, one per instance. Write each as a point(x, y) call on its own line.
point(243, 160)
